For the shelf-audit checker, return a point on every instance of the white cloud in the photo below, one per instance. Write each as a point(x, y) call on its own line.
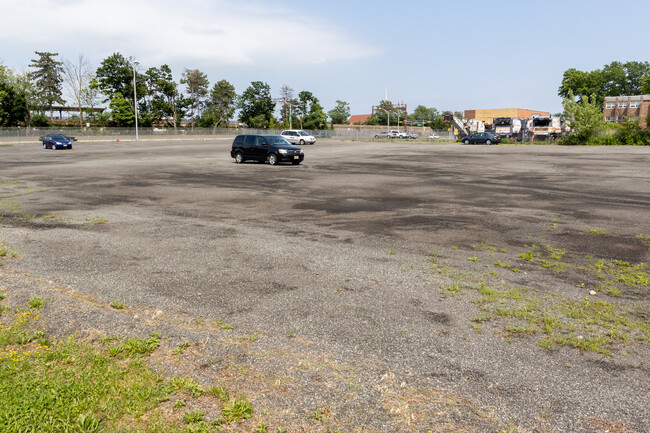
point(193, 33)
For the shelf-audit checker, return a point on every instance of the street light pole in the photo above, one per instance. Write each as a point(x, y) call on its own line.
point(135, 101)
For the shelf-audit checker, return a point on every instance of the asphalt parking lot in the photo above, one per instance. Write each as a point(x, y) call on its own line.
point(354, 253)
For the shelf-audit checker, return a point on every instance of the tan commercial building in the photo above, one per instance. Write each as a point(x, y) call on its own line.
point(487, 115)
point(618, 109)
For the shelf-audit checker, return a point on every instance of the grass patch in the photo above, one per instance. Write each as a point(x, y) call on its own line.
point(134, 347)
point(586, 325)
point(50, 386)
point(484, 246)
point(594, 231)
point(618, 274)
point(96, 220)
point(57, 386)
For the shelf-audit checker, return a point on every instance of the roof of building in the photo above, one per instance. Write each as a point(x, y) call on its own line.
point(614, 98)
point(358, 118)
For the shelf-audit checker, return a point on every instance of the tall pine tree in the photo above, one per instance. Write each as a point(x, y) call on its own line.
point(47, 79)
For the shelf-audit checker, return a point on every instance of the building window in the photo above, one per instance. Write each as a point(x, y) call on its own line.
point(622, 104)
point(609, 119)
point(610, 105)
point(635, 104)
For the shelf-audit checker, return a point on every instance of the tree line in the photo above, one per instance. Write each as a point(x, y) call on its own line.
point(29, 99)
point(583, 94)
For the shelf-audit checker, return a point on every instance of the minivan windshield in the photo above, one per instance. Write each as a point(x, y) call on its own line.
point(276, 139)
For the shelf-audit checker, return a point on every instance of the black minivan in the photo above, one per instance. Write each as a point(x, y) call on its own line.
point(271, 148)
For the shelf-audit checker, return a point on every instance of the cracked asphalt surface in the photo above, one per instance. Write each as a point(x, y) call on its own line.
point(336, 251)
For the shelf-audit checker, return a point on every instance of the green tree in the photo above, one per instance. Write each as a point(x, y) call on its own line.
point(115, 75)
point(121, 112)
point(316, 117)
point(166, 100)
point(221, 105)
point(340, 114)
point(624, 78)
point(614, 79)
point(310, 112)
point(256, 105)
point(302, 107)
point(585, 117)
point(197, 85)
point(13, 102)
point(427, 116)
point(386, 112)
point(47, 79)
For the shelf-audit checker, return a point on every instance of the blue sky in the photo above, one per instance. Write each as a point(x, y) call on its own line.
point(481, 54)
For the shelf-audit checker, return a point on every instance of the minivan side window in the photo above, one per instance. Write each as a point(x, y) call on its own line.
point(250, 140)
point(260, 141)
point(239, 140)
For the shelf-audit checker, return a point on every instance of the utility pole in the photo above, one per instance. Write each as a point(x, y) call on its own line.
point(135, 101)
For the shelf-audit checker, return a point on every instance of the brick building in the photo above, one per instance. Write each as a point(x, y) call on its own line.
point(619, 108)
point(487, 115)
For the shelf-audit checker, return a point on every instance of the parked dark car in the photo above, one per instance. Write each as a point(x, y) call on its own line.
point(56, 141)
point(271, 148)
point(482, 138)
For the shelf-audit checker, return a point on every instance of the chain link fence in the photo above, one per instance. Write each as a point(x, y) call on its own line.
point(28, 135)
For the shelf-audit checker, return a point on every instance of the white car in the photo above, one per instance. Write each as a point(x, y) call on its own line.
point(298, 136)
point(433, 136)
point(396, 133)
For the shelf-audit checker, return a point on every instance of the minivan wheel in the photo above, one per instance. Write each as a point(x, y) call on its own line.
point(466, 141)
point(302, 142)
point(273, 160)
point(488, 142)
point(239, 158)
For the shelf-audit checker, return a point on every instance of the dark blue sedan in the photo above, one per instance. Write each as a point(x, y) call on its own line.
point(480, 138)
point(56, 141)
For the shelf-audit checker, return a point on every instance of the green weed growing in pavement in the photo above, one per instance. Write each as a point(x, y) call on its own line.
point(118, 305)
point(96, 220)
point(237, 410)
point(224, 326)
point(221, 392)
point(181, 348)
point(194, 416)
point(36, 302)
point(527, 256)
point(485, 246)
point(594, 231)
point(187, 385)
